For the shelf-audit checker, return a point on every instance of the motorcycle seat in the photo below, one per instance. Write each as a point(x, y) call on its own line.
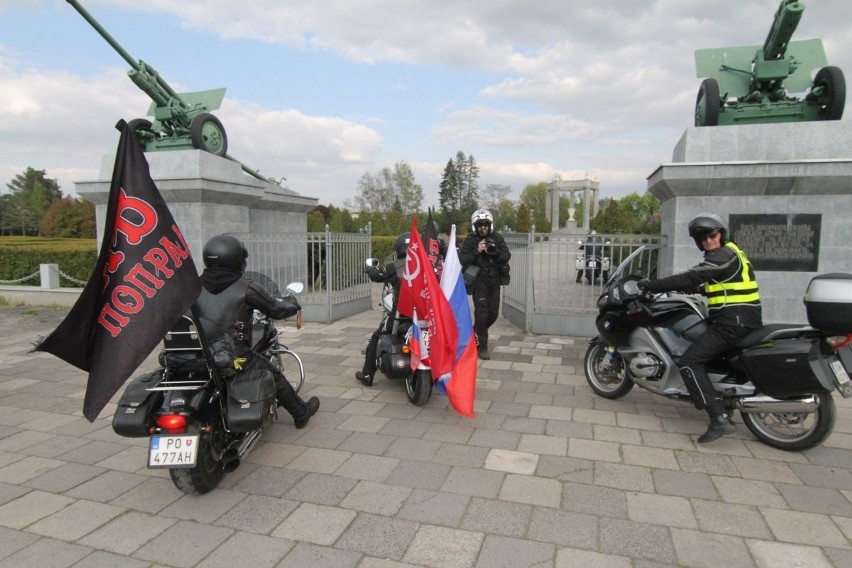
point(774, 332)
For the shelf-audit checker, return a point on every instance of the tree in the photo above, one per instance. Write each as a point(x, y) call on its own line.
point(614, 219)
point(458, 193)
point(31, 196)
point(534, 198)
point(494, 194)
point(523, 220)
point(389, 189)
point(505, 215)
point(69, 218)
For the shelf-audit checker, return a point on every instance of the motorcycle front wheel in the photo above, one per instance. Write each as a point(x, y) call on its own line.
point(207, 472)
point(793, 431)
point(605, 372)
point(418, 387)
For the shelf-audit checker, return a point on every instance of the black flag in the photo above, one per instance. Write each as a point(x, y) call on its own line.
point(435, 249)
point(143, 281)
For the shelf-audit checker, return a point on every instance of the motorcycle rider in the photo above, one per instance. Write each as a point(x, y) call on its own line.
point(487, 250)
point(592, 247)
point(225, 307)
point(391, 273)
point(733, 300)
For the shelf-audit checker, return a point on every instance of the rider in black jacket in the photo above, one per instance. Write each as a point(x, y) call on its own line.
point(390, 273)
point(225, 306)
point(727, 280)
point(487, 250)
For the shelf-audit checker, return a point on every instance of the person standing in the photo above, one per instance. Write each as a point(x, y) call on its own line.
point(726, 278)
point(486, 250)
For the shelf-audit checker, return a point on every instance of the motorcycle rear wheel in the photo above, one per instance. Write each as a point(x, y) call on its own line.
point(793, 431)
point(607, 376)
point(206, 474)
point(418, 387)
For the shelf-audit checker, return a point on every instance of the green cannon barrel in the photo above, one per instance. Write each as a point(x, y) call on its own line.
point(783, 26)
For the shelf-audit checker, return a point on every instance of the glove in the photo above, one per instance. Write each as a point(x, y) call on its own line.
point(643, 285)
point(371, 271)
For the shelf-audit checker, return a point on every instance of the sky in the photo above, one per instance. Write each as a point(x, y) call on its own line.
point(322, 92)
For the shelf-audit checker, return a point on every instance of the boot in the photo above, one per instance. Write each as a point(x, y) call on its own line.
point(300, 419)
point(483, 353)
point(364, 378)
point(720, 425)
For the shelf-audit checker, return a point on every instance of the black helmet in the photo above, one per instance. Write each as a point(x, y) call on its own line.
point(225, 251)
point(706, 224)
point(401, 245)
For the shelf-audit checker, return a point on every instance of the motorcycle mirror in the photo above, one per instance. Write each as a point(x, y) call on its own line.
point(372, 262)
point(295, 287)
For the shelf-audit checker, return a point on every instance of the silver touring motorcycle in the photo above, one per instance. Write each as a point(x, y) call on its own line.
point(780, 377)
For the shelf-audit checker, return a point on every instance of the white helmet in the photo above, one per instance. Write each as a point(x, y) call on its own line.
point(481, 216)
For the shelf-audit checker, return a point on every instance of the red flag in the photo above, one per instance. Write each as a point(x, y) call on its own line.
point(420, 290)
point(144, 279)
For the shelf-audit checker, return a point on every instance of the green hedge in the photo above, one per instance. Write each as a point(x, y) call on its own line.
point(21, 256)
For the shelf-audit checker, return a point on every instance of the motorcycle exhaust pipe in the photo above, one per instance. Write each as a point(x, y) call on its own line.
point(767, 404)
point(230, 460)
point(237, 450)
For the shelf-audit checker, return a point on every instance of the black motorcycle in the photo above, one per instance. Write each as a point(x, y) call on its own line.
point(393, 355)
point(780, 376)
point(200, 422)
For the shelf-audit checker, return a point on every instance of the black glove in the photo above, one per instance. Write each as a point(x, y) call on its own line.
point(643, 284)
point(371, 271)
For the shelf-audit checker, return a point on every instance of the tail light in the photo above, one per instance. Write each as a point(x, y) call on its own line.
point(838, 342)
point(172, 423)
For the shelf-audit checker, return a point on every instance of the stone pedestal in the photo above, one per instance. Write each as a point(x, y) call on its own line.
point(209, 195)
point(788, 169)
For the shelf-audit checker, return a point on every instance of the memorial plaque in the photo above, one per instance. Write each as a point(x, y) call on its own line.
point(782, 243)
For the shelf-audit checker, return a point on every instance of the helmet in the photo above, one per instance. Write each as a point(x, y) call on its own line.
point(480, 217)
point(401, 244)
point(225, 251)
point(705, 224)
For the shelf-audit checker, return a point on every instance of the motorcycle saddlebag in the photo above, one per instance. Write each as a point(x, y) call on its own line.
point(394, 363)
point(132, 418)
point(781, 369)
point(251, 398)
point(828, 301)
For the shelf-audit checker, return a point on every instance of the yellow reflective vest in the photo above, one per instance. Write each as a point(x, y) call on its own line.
point(739, 289)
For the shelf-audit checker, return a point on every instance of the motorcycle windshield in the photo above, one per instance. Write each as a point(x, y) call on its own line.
point(264, 282)
point(637, 262)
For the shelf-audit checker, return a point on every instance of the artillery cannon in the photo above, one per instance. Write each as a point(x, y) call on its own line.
point(180, 120)
point(753, 84)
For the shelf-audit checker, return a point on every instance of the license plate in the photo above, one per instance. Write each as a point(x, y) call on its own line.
point(593, 264)
point(424, 339)
point(839, 372)
point(172, 451)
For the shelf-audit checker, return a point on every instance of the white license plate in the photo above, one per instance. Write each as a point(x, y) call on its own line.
point(593, 264)
point(172, 451)
point(839, 372)
point(424, 339)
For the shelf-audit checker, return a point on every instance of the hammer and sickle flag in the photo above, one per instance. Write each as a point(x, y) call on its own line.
point(143, 281)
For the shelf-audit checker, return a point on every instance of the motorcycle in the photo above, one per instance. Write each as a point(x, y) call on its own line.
point(201, 423)
point(393, 355)
point(592, 261)
point(780, 377)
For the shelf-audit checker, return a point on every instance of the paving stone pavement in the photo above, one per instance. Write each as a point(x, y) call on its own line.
point(546, 474)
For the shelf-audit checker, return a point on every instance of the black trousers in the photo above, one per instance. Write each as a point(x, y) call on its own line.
point(284, 391)
point(486, 308)
point(715, 341)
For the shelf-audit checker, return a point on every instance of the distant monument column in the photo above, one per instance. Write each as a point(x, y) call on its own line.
point(588, 188)
point(785, 190)
point(208, 195)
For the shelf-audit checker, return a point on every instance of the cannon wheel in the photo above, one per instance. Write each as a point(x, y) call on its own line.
point(708, 103)
point(833, 96)
point(139, 125)
point(208, 134)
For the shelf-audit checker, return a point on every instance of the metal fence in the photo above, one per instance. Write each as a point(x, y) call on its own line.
point(544, 295)
point(330, 265)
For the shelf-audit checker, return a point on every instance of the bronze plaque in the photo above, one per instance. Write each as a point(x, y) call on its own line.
point(782, 243)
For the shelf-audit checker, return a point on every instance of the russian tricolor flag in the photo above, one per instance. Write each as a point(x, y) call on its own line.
point(460, 386)
point(416, 345)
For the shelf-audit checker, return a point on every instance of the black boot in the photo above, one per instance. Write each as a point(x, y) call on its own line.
point(720, 425)
point(364, 378)
point(309, 408)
